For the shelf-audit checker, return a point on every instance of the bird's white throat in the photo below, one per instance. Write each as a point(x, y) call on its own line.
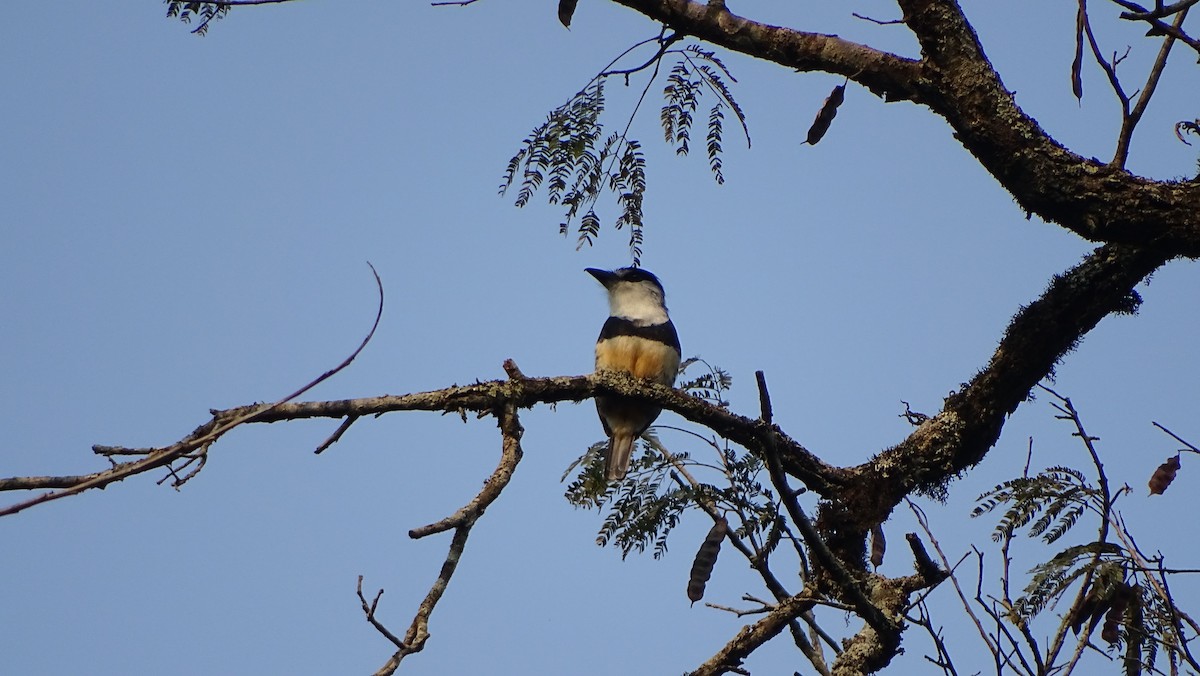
point(639, 302)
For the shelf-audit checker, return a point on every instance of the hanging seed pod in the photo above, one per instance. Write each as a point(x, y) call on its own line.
point(1077, 63)
point(1085, 611)
point(1110, 632)
point(705, 559)
point(1112, 620)
point(825, 116)
point(878, 545)
point(566, 9)
point(1164, 475)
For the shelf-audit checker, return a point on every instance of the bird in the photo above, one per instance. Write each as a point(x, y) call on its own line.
point(639, 339)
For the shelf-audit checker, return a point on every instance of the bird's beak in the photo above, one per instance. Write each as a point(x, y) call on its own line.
point(603, 276)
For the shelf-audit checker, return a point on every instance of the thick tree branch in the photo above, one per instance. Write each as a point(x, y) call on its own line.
point(888, 75)
point(730, 657)
point(970, 422)
point(956, 81)
point(487, 397)
point(1096, 201)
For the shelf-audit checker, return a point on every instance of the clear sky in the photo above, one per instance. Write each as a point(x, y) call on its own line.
point(186, 223)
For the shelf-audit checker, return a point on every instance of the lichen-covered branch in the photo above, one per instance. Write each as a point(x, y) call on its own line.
point(955, 80)
point(970, 422)
point(729, 658)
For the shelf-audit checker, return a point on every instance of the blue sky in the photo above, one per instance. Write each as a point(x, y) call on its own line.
point(186, 224)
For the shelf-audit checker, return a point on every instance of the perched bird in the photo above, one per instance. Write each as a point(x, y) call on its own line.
point(640, 339)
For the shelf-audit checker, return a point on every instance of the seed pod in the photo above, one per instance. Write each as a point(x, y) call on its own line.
point(1077, 63)
point(566, 9)
point(1110, 632)
point(1121, 598)
point(825, 116)
point(1085, 611)
point(705, 559)
point(1164, 475)
point(878, 545)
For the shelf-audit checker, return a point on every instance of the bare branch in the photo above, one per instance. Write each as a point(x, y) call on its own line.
point(1160, 11)
point(1132, 117)
point(1065, 406)
point(730, 657)
point(197, 441)
point(923, 521)
point(1176, 437)
point(510, 456)
point(1158, 27)
point(461, 521)
point(369, 611)
point(880, 22)
point(337, 434)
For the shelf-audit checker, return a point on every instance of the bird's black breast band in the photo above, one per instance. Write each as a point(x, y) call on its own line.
point(661, 333)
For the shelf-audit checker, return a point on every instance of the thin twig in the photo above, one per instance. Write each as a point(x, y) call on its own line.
point(462, 521)
point(867, 610)
point(759, 561)
point(337, 434)
point(201, 438)
point(923, 521)
point(1159, 12)
point(369, 611)
point(881, 22)
point(926, 621)
point(1176, 437)
point(1161, 28)
point(1065, 406)
point(1132, 117)
point(729, 657)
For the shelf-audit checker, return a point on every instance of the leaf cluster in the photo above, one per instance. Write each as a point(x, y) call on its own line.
point(710, 386)
point(1118, 594)
point(699, 71)
point(643, 508)
point(1050, 503)
point(207, 12)
point(570, 155)
point(566, 153)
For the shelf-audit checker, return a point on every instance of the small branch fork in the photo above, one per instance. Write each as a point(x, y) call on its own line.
point(874, 646)
point(1153, 17)
point(461, 523)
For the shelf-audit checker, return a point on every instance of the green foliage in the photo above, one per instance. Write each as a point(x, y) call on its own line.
point(1053, 501)
point(710, 386)
point(571, 157)
point(207, 12)
point(1052, 578)
point(1121, 594)
point(699, 71)
point(643, 508)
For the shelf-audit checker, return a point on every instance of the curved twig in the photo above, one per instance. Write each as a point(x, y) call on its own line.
point(199, 440)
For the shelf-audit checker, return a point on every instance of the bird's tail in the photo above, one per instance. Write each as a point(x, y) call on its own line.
point(616, 461)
